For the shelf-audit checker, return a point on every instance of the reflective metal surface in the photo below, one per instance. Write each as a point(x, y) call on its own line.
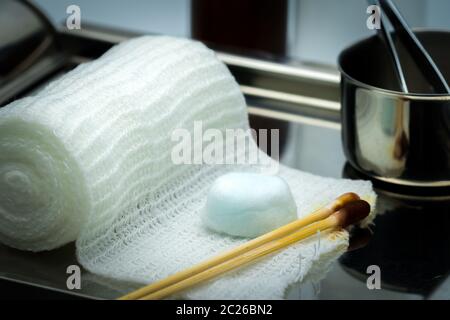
point(397, 138)
point(25, 37)
point(288, 91)
point(410, 241)
point(29, 49)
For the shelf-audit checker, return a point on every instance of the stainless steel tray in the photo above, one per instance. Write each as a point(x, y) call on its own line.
point(303, 102)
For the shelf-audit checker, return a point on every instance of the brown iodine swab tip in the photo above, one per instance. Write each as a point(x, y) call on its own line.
point(352, 213)
point(344, 199)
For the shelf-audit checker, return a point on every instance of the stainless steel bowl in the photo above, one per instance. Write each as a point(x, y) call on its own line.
point(394, 137)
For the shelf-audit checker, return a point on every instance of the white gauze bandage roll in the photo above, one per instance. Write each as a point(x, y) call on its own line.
point(43, 199)
point(89, 159)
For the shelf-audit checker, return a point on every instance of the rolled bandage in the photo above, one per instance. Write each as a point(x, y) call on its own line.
point(89, 157)
point(95, 145)
point(43, 201)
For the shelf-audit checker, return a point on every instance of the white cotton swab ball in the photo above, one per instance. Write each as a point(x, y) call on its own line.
point(248, 204)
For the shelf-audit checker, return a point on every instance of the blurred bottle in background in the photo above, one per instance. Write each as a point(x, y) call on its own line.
point(255, 25)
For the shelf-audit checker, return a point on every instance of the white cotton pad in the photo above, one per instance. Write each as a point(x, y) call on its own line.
point(248, 204)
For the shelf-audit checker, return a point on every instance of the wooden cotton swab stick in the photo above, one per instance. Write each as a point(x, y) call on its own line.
point(349, 214)
point(270, 236)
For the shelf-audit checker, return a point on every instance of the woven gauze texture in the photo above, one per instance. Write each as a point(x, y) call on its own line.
point(88, 158)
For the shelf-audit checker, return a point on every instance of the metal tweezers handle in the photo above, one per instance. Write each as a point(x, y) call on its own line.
point(421, 56)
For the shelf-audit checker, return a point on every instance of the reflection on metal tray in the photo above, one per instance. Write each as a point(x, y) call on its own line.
point(303, 103)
